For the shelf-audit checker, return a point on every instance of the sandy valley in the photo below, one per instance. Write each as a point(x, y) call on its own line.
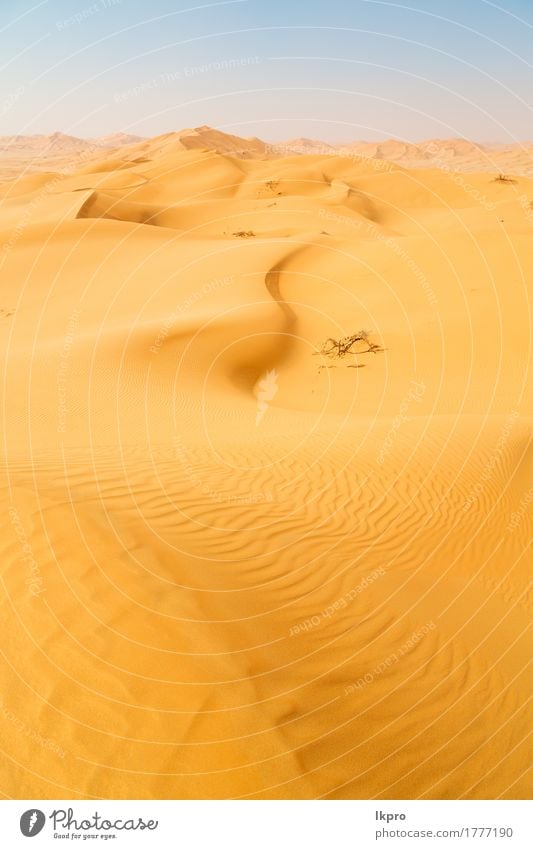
point(240, 560)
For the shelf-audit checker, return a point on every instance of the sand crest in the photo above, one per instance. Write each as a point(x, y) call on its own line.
point(232, 565)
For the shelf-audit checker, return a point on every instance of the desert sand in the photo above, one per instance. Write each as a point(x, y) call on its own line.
point(445, 154)
point(65, 153)
point(234, 566)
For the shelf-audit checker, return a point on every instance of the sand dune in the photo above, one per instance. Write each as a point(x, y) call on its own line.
point(448, 154)
point(55, 142)
point(57, 151)
point(234, 566)
point(61, 152)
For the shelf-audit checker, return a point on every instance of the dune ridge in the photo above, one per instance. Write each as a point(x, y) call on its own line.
point(61, 151)
point(235, 566)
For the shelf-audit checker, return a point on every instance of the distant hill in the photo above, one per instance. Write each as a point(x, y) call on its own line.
point(452, 154)
point(62, 143)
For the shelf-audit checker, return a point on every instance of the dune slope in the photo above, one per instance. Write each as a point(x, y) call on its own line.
point(235, 563)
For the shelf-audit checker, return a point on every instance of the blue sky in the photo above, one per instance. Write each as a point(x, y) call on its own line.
point(332, 69)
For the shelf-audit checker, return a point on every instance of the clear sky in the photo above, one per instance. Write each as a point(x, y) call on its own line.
point(335, 70)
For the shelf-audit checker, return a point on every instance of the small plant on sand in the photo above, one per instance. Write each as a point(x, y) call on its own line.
point(342, 347)
point(503, 178)
point(244, 234)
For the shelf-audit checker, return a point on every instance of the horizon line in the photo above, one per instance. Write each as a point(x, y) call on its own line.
point(336, 144)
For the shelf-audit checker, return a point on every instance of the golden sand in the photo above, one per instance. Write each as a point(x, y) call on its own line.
point(233, 566)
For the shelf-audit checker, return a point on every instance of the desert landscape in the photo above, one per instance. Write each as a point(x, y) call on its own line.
point(266, 489)
point(62, 152)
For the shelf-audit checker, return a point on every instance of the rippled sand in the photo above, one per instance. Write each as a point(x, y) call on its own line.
point(233, 566)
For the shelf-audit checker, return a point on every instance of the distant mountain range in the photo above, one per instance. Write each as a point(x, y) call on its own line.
point(60, 143)
point(460, 154)
point(457, 154)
